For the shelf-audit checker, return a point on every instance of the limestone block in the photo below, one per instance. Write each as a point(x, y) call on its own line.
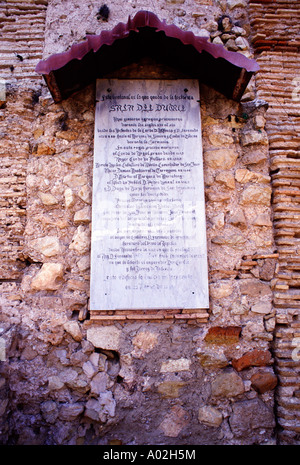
point(243, 176)
point(257, 195)
point(75, 179)
point(48, 278)
point(143, 343)
point(102, 408)
point(212, 359)
point(83, 216)
point(227, 178)
point(69, 412)
point(172, 366)
point(49, 246)
point(99, 383)
point(89, 369)
point(262, 307)
point(49, 411)
point(170, 389)
point(231, 240)
point(47, 198)
point(210, 416)
point(221, 289)
point(227, 384)
point(236, 3)
point(254, 137)
point(85, 194)
point(221, 158)
point(104, 337)
point(73, 328)
point(242, 43)
point(69, 197)
point(81, 240)
point(174, 422)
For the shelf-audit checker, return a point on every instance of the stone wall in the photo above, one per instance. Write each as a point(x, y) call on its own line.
point(66, 379)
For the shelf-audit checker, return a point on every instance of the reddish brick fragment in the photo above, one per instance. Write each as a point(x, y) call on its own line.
point(223, 335)
point(263, 382)
point(253, 358)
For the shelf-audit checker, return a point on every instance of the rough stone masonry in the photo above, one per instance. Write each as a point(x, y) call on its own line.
point(227, 377)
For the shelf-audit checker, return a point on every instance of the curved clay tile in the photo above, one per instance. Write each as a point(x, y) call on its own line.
point(144, 35)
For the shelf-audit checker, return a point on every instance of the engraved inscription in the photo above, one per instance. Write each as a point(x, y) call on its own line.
point(148, 225)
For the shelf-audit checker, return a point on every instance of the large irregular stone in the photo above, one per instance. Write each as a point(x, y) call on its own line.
point(143, 343)
point(253, 358)
point(81, 240)
point(104, 337)
point(69, 412)
point(212, 358)
point(48, 246)
point(210, 416)
point(227, 384)
point(256, 194)
point(174, 421)
point(73, 328)
point(263, 381)
point(170, 389)
point(250, 415)
point(223, 158)
point(48, 278)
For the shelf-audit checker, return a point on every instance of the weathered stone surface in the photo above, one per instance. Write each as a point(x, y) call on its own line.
point(172, 366)
point(250, 415)
point(99, 383)
point(254, 137)
point(170, 389)
point(244, 175)
point(73, 328)
point(55, 383)
point(49, 246)
point(83, 216)
point(101, 409)
point(210, 416)
point(174, 422)
point(263, 381)
point(262, 307)
point(223, 335)
point(255, 288)
point(227, 384)
point(256, 194)
point(212, 358)
point(47, 198)
point(255, 358)
point(69, 412)
point(144, 342)
point(223, 158)
point(49, 278)
point(49, 411)
point(69, 197)
point(229, 239)
point(81, 240)
point(221, 289)
point(104, 337)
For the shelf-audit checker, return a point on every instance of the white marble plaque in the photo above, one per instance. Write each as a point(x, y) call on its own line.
point(148, 222)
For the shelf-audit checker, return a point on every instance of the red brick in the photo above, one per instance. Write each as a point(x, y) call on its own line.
point(223, 335)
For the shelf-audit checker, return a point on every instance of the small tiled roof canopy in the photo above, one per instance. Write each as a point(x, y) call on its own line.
point(146, 36)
